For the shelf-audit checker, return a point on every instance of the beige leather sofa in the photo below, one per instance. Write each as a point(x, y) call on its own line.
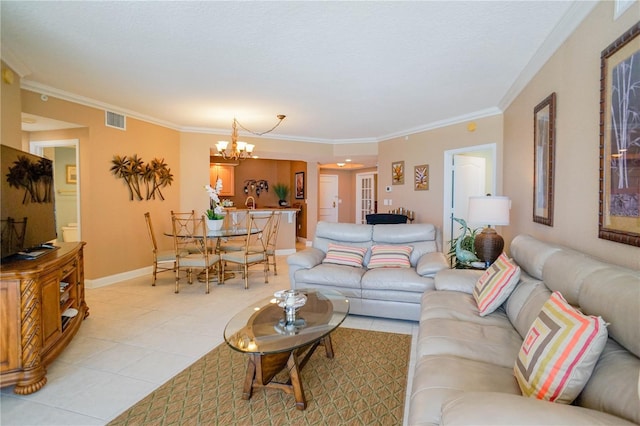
point(464, 365)
point(384, 292)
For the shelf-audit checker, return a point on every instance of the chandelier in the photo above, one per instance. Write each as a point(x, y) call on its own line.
point(241, 150)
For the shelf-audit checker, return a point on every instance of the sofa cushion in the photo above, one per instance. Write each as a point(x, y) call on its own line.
point(486, 343)
point(439, 378)
point(389, 256)
point(559, 352)
point(345, 255)
point(525, 302)
point(330, 274)
point(496, 284)
point(401, 279)
point(459, 306)
point(607, 390)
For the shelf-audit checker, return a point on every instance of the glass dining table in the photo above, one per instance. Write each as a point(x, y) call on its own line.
point(215, 237)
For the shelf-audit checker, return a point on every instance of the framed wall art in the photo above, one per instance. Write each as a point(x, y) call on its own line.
point(544, 135)
point(421, 177)
point(299, 185)
point(619, 218)
point(72, 174)
point(397, 173)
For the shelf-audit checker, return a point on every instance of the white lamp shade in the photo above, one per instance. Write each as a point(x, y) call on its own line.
point(489, 210)
point(222, 145)
point(241, 145)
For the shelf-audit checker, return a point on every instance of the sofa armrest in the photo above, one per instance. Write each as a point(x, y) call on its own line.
point(430, 263)
point(493, 408)
point(307, 258)
point(463, 280)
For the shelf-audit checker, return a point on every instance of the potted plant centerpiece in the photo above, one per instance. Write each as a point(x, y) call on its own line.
point(215, 213)
point(282, 191)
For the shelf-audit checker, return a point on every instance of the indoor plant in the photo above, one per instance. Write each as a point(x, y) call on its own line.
point(215, 213)
point(282, 191)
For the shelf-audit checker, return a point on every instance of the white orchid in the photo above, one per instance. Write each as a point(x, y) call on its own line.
point(215, 206)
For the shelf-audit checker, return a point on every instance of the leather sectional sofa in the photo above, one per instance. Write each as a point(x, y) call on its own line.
point(382, 292)
point(464, 370)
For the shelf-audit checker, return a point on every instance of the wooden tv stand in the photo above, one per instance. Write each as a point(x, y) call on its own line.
point(34, 294)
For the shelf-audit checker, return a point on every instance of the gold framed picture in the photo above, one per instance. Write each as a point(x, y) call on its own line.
point(421, 177)
point(397, 173)
point(72, 176)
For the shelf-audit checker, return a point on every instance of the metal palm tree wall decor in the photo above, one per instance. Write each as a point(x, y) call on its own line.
point(151, 176)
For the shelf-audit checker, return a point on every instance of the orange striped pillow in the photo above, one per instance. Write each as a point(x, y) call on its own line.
point(496, 284)
point(345, 255)
point(390, 256)
point(559, 352)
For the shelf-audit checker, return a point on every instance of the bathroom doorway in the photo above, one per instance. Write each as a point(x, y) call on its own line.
point(65, 156)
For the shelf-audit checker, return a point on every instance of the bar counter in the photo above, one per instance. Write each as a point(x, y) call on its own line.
point(286, 243)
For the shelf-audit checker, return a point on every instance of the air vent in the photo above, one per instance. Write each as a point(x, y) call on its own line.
point(117, 121)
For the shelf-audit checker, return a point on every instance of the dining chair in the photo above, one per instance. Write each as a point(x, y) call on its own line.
point(254, 250)
point(190, 235)
point(271, 242)
point(186, 215)
point(236, 219)
point(163, 260)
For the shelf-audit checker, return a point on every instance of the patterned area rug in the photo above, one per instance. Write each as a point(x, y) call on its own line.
point(364, 384)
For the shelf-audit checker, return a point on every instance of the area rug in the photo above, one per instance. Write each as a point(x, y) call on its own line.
point(364, 384)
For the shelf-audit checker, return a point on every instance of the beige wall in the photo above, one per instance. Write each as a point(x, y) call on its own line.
point(114, 229)
point(429, 148)
point(10, 110)
point(112, 225)
point(574, 74)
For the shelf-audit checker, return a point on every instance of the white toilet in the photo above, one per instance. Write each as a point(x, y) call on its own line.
point(70, 232)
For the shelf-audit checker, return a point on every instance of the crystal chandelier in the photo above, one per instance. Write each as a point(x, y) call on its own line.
point(241, 150)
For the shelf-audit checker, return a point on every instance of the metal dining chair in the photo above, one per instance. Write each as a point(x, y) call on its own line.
point(163, 260)
point(190, 235)
point(254, 250)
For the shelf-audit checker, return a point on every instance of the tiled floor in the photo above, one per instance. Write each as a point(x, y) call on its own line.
point(136, 338)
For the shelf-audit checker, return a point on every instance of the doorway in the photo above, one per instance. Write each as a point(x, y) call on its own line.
point(365, 196)
point(66, 163)
point(328, 199)
point(467, 172)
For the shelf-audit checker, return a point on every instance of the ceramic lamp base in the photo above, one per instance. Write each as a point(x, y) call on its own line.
point(488, 245)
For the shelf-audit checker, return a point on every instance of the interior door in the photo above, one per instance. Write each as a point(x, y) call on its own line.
point(365, 196)
point(328, 199)
point(469, 179)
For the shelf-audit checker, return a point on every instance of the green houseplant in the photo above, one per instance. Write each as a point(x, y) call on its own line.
point(282, 191)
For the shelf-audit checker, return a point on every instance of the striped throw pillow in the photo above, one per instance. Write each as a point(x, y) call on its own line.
point(559, 352)
point(496, 284)
point(390, 256)
point(345, 255)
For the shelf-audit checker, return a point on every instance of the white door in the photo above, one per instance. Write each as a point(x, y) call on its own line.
point(365, 196)
point(328, 200)
point(467, 172)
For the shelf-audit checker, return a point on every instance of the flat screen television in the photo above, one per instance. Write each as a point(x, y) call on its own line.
point(27, 204)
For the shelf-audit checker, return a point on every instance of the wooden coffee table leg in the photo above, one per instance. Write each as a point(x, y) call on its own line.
point(296, 383)
point(249, 377)
point(328, 346)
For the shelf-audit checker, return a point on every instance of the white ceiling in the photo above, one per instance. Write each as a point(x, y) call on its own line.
point(340, 71)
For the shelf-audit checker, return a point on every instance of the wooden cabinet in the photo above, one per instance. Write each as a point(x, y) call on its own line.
point(41, 308)
point(226, 173)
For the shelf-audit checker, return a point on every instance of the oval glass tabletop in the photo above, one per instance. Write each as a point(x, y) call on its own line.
point(264, 327)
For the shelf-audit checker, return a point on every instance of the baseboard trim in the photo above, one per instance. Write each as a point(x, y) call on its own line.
point(116, 278)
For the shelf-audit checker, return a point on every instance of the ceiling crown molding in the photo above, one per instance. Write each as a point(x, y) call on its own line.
point(565, 27)
point(12, 60)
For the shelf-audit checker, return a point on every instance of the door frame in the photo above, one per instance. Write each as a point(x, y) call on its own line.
point(447, 210)
point(37, 148)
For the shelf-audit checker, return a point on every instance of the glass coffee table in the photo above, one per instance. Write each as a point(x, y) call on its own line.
point(275, 335)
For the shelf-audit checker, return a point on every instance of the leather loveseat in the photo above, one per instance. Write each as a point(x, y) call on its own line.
point(464, 370)
point(383, 292)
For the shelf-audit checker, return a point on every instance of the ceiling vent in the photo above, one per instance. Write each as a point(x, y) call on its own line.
point(117, 121)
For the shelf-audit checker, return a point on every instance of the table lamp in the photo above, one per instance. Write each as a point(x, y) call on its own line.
point(489, 210)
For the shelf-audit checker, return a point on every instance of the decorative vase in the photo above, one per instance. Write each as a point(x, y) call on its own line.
point(214, 224)
point(283, 203)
